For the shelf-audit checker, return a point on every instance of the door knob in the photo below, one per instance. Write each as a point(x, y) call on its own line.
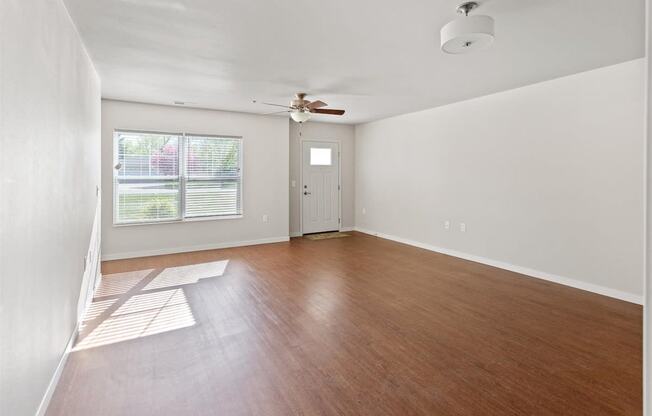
point(306, 193)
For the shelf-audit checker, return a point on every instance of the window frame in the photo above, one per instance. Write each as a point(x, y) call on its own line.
point(181, 154)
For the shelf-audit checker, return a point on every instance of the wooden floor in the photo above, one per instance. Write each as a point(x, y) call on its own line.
point(349, 326)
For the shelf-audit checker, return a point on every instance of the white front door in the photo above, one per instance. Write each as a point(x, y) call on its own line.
point(320, 187)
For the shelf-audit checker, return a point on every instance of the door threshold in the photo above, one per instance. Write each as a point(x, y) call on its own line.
point(321, 232)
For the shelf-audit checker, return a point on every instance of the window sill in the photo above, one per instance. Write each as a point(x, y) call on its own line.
point(181, 221)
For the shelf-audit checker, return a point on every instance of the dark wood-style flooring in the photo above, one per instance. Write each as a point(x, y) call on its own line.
point(349, 326)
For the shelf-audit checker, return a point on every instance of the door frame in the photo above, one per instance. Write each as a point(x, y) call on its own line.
point(339, 179)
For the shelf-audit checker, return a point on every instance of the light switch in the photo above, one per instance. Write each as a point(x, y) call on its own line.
point(463, 227)
point(294, 183)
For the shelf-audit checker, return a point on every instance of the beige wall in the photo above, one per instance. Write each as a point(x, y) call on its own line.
point(265, 178)
point(50, 164)
point(312, 130)
point(547, 177)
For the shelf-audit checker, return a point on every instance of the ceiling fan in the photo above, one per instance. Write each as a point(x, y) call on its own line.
point(301, 109)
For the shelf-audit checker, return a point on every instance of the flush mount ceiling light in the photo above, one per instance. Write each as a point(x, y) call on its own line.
point(468, 33)
point(300, 116)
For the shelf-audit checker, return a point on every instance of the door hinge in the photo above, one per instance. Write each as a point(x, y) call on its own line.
point(339, 220)
point(338, 187)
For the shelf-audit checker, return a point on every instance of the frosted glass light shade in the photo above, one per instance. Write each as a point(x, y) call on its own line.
point(467, 34)
point(300, 116)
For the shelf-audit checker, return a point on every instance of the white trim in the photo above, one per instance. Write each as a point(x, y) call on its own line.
point(45, 402)
point(54, 381)
point(296, 234)
point(345, 229)
point(180, 221)
point(602, 290)
point(174, 250)
point(90, 279)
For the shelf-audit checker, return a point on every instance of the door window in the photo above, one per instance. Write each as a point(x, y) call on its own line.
point(320, 157)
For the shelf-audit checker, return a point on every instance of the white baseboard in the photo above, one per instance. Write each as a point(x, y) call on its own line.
point(174, 250)
point(578, 284)
point(45, 402)
point(345, 229)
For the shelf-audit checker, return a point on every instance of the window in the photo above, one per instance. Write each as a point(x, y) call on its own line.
point(171, 177)
point(147, 182)
point(212, 181)
point(320, 156)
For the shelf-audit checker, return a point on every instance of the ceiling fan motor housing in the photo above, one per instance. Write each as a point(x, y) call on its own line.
point(300, 101)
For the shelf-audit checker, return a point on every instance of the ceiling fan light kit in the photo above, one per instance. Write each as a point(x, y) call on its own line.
point(300, 116)
point(467, 33)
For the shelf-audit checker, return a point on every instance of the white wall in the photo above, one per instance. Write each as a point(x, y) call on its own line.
point(312, 130)
point(50, 167)
point(547, 177)
point(265, 179)
point(647, 318)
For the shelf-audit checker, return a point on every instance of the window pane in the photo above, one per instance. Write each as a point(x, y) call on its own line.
point(147, 155)
point(147, 202)
point(147, 177)
point(213, 182)
point(208, 198)
point(320, 157)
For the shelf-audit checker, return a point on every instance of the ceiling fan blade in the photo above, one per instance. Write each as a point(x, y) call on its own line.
point(276, 112)
point(278, 105)
point(275, 105)
point(327, 111)
point(316, 104)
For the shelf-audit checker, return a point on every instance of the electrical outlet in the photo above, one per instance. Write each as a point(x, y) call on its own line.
point(265, 218)
point(463, 227)
point(447, 225)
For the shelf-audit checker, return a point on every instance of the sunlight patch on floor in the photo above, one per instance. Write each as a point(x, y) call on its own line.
point(136, 304)
point(185, 275)
point(119, 283)
point(96, 309)
point(142, 315)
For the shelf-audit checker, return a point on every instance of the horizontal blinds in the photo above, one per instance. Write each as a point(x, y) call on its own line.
point(147, 182)
point(156, 181)
point(213, 176)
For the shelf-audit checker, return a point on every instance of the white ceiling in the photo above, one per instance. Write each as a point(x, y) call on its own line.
point(374, 58)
